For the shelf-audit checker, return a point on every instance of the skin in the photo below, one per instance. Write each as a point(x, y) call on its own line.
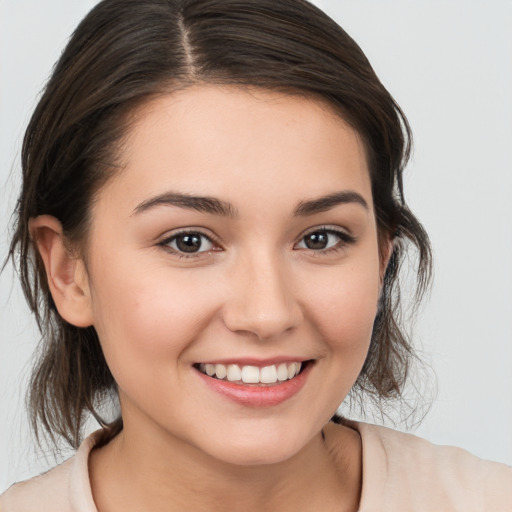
point(255, 291)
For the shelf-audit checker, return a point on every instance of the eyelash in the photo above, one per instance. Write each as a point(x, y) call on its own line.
point(344, 240)
point(165, 243)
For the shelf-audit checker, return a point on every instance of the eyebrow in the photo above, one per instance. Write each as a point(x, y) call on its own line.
point(325, 203)
point(214, 206)
point(202, 204)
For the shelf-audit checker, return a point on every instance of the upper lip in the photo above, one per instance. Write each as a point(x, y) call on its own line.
point(253, 361)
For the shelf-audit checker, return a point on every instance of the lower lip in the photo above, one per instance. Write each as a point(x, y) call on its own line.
point(258, 396)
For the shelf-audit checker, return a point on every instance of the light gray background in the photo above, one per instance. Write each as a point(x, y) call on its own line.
point(449, 65)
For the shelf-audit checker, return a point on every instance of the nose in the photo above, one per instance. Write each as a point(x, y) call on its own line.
point(262, 301)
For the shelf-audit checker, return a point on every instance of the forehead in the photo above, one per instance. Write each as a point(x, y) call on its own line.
point(241, 143)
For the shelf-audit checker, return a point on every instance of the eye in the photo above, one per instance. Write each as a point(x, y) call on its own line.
point(324, 239)
point(190, 242)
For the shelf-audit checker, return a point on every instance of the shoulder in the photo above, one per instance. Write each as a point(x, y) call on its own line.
point(49, 491)
point(65, 488)
point(410, 473)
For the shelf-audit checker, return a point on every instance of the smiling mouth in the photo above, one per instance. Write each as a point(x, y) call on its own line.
point(248, 374)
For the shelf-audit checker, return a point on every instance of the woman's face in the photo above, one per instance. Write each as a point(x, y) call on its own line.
point(240, 239)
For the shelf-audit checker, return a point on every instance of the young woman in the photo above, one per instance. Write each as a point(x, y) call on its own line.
point(210, 229)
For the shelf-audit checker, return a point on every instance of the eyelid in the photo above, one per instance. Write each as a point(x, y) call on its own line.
point(168, 237)
point(342, 232)
point(345, 237)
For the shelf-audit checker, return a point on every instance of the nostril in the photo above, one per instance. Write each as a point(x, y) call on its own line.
point(261, 301)
point(265, 321)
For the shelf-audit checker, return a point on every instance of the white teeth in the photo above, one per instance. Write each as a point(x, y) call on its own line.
point(268, 375)
point(220, 371)
point(282, 372)
point(293, 370)
point(251, 374)
point(234, 373)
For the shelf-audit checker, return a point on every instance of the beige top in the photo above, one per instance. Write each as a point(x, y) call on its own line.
point(401, 473)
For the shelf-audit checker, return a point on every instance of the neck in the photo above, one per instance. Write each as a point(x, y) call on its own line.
point(155, 471)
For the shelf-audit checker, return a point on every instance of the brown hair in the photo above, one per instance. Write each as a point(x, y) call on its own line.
point(125, 52)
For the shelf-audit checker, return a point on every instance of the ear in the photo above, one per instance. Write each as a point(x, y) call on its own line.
point(386, 248)
point(66, 274)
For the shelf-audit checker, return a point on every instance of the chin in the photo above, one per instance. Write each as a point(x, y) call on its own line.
point(262, 448)
point(256, 456)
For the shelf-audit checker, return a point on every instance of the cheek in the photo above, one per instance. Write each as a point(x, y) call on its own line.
point(344, 304)
point(148, 317)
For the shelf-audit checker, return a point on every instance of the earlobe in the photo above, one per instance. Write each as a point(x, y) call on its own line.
point(66, 275)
